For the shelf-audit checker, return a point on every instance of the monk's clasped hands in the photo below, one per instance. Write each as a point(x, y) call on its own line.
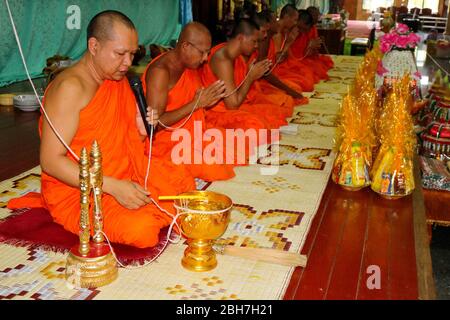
point(210, 95)
point(259, 69)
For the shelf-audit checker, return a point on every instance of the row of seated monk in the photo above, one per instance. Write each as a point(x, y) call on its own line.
point(251, 82)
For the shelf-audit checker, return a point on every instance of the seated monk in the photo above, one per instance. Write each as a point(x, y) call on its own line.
point(240, 107)
point(270, 83)
point(314, 36)
point(173, 85)
point(306, 46)
point(289, 67)
point(92, 100)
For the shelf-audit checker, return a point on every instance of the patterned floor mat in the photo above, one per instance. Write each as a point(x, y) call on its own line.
point(272, 211)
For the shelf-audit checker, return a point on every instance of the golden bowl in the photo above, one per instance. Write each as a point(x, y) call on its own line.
point(202, 220)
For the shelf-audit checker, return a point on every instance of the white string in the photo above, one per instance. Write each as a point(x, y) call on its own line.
point(174, 218)
point(242, 82)
point(190, 115)
point(174, 222)
point(32, 85)
point(280, 56)
point(149, 153)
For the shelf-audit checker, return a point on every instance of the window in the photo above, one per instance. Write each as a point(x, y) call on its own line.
point(373, 5)
point(431, 4)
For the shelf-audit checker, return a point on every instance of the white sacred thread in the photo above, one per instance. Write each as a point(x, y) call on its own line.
point(174, 222)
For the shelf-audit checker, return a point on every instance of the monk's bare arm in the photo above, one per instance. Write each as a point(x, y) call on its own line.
point(278, 41)
point(224, 70)
point(276, 82)
point(62, 104)
point(157, 93)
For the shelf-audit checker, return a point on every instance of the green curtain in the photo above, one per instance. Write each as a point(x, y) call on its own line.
point(41, 25)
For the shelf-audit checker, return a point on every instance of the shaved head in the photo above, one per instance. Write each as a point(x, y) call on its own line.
point(288, 10)
point(245, 27)
point(102, 24)
point(194, 31)
point(314, 12)
point(305, 17)
point(194, 45)
point(261, 19)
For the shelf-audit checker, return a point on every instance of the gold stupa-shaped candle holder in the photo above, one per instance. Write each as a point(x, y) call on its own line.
point(203, 216)
point(90, 264)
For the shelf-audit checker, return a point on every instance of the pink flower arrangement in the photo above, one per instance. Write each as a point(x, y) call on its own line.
point(399, 37)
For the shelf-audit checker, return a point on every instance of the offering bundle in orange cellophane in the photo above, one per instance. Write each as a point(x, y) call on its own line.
point(392, 172)
point(365, 76)
point(355, 139)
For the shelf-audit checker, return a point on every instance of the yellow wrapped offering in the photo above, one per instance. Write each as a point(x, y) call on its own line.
point(355, 142)
point(392, 172)
point(351, 168)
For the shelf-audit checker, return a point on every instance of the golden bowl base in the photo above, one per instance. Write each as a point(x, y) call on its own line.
point(97, 269)
point(199, 256)
point(388, 197)
point(348, 188)
point(392, 197)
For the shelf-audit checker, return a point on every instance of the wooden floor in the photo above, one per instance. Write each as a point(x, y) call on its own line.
point(19, 141)
point(352, 231)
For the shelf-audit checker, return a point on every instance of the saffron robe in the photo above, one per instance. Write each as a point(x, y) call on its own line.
point(208, 169)
point(110, 118)
point(255, 112)
point(295, 70)
point(268, 88)
point(318, 63)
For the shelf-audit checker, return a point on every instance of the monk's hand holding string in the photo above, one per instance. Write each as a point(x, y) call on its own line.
point(152, 116)
point(129, 194)
point(208, 97)
point(315, 44)
point(259, 69)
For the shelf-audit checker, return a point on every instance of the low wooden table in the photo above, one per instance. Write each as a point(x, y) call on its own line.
point(334, 39)
point(437, 204)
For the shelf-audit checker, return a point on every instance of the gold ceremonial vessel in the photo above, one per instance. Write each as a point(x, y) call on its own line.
point(202, 219)
point(90, 263)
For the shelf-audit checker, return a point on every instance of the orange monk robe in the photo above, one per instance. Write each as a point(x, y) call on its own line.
point(268, 89)
point(295, 70)
point(323, 59)
point(255, 112)
point(263, 92)
point(318, 63)
point(110, 119)
point(181, 94)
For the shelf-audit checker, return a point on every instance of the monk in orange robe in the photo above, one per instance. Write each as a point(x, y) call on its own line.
point(241, 107)
point(173, 85)
point(271, 84)
point(289, 67)
point(314, 36)
point(307, 44)
point(92, 100)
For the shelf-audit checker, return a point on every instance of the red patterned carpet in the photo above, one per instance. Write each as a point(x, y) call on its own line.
point(35, 229)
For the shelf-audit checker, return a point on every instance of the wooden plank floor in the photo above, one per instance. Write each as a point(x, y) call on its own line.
point(351, 232)
point(19, 141)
